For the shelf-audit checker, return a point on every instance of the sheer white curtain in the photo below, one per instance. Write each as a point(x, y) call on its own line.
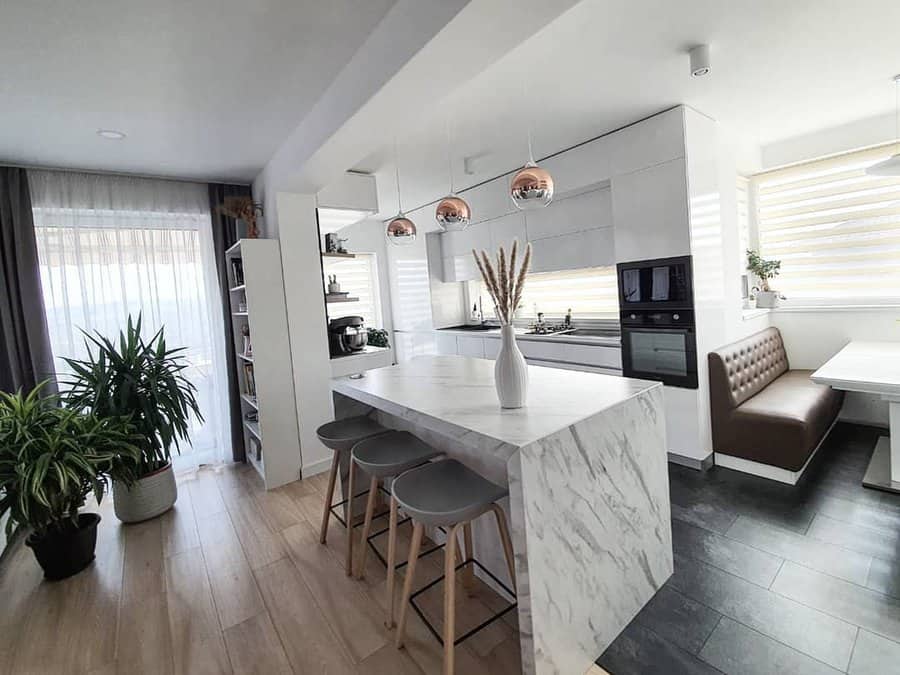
point(114, 245)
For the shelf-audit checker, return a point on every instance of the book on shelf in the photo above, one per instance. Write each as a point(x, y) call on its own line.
point(249, 381)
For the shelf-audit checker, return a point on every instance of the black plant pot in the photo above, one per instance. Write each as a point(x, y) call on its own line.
point(64, 553)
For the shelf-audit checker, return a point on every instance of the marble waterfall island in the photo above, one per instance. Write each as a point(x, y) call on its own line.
point(585, 462)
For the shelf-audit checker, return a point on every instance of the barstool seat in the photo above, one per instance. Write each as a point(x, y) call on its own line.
point(342, 435)
point(445, 493)
point(392, 453)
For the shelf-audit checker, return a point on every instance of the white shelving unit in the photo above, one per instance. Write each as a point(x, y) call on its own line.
point(265, 375)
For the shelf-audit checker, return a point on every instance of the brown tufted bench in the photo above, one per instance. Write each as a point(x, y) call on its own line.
point(765, 413)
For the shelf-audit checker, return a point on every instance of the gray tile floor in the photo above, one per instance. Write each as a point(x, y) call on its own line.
point(771, 578)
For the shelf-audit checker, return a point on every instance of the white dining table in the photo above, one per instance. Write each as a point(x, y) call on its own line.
point(872, 368)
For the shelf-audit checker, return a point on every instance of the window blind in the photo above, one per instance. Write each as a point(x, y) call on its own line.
point(835, 228)
point(359, 277)
point(590, 293)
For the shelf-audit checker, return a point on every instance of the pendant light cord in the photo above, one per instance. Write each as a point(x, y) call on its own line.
point(528, 119)
point(449, 158)
point(397, 176)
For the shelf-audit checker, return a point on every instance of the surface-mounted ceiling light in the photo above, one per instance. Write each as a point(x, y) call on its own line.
point(401, 231)
point(700, 60)
point(452, 213)
point(532, 186)
point(110, 134)
point(891, 166)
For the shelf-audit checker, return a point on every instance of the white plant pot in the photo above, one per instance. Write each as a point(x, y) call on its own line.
point(510, 371)
point(149, 497)
point(766, 299)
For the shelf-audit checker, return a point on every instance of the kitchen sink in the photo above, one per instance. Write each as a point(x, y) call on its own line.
point(594, 332)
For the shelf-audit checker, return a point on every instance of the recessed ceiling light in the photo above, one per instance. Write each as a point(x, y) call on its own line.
point(110, 134)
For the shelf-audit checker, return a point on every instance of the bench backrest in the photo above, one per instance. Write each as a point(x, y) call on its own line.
point(746, 367)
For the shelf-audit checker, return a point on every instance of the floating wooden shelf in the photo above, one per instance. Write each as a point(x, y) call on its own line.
point(340, 298)
point(332, 254)
point(239, 314)
point(251, 401)
point(248, 359)
point(238, 288)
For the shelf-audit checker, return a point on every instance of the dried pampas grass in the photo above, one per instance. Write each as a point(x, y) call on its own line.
point(506, 283)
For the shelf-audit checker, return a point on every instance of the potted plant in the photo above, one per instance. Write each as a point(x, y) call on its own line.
point(51, 459)
point(764, 271)
point(144, 380)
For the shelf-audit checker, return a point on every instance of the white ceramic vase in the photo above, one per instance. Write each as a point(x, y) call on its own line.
point(510, 371)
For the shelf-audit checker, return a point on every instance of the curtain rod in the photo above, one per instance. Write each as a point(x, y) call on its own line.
point(102, 172)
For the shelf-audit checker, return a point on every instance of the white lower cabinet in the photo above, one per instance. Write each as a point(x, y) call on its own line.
point(569, 356)
point(470, 346)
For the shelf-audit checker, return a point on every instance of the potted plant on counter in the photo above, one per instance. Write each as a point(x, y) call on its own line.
point(764, 271)
point(145, 381)
point(51, 459)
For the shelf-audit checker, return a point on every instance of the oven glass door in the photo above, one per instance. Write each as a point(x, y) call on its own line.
point(665, 355)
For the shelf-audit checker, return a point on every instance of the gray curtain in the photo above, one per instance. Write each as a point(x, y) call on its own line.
point(225, 234)
point(25, 355)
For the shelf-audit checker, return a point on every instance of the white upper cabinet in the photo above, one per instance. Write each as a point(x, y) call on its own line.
point(591, 248)
point(650, 212)
point(586, 211)
point(476, 236)
point(507, 228)
point(489, 200)
point(652, 141)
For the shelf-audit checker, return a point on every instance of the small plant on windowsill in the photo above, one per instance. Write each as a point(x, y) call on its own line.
point(764, 270)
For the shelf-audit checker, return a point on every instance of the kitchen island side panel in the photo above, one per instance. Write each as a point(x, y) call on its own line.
point(597, 531)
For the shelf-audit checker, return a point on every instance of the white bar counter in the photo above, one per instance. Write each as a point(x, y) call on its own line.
point(585, 463)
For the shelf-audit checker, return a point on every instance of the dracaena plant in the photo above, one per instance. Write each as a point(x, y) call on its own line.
point(52, 458)
point(141, 379)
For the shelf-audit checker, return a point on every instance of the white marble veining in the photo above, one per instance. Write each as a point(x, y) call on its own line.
point(459, 392)
point(585, 463)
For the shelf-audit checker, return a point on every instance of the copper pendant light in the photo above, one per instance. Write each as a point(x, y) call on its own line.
point(531, 187)
point(452, 213)
point(401, 231)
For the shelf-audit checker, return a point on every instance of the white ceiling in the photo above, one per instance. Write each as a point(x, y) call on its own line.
point(780, 69)
point(204, 89)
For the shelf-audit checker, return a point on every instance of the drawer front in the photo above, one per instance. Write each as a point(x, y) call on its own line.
point(470, 346)
point(607, 357)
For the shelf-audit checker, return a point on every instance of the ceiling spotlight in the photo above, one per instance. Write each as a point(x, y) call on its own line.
point(699, 60)
point(110, 134)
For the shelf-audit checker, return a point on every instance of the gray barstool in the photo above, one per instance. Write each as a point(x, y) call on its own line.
point(386, 456)
point(448, 494)
point(341, 436)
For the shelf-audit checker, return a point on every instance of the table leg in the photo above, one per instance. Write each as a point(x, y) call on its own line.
point(884, 468)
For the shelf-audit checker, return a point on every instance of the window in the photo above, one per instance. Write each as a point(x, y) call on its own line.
point(359, 277)
point(590, 293)
point(835, 229)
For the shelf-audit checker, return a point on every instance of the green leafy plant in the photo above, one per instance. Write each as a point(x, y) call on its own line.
point(52, 458)
point(378, 337)
point(140, 379)
point(763, 269)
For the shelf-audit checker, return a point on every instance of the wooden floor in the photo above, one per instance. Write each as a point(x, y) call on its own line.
point(232, 580)
point(771, 578)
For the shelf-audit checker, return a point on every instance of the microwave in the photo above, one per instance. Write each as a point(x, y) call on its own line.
point(662, 283)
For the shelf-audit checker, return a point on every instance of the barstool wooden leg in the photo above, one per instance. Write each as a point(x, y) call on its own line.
point(450, 599)
point(367, 526)
point(414, 547)
point(469, 570)
point(348, 516)
point(329, 495)
point(507, 543)
point(391, 562)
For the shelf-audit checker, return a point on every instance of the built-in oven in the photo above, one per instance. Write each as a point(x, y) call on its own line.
point(660, 345)
point(656, 284)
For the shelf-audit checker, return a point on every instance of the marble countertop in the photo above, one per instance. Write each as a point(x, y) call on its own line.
point(459, 392)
